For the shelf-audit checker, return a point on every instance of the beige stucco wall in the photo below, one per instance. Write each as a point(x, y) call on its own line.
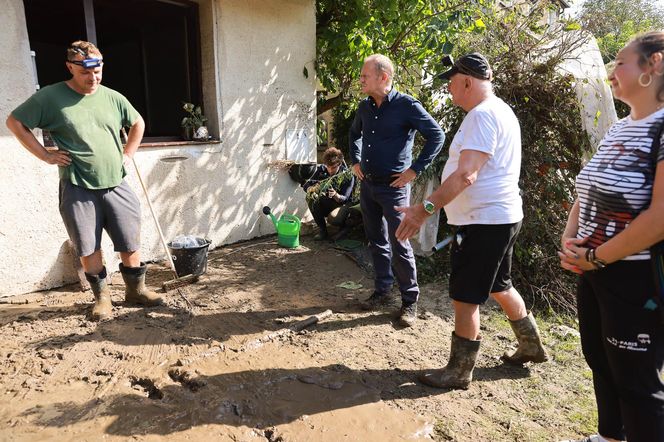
point(253, 55)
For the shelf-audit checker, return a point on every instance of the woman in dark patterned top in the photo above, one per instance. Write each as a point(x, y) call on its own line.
point(617, 216)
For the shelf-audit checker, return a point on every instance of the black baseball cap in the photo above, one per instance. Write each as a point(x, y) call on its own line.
point(474, 64)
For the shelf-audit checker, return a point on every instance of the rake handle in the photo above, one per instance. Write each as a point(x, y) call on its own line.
point(156, 221)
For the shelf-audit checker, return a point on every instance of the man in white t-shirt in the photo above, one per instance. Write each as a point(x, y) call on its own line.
point(480, 195)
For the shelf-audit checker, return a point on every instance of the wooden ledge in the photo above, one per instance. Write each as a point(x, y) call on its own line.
point(169, 142)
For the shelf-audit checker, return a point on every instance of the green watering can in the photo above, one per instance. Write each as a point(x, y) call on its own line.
point(288, 228)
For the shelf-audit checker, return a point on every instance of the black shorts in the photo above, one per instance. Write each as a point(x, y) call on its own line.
point(481, 259)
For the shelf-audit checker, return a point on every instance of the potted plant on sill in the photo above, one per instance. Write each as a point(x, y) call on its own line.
point(193, 124)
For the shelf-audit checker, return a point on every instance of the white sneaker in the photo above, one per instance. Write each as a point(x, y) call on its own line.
point(593, 438)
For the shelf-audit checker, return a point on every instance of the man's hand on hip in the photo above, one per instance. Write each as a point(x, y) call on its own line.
point(403, 178)
point(357, 171)
point(126, 160)
point(414, 217)
point(58, 157)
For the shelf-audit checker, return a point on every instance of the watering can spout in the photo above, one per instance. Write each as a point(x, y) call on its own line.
point(267, 211)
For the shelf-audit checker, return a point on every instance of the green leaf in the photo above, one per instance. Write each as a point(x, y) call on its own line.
point(572, 26)
point(350, 285)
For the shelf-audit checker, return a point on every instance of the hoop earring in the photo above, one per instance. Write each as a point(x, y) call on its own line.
point(659, 73)
point(641, 83)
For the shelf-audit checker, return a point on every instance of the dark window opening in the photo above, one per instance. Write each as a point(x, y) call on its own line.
point(151, 51)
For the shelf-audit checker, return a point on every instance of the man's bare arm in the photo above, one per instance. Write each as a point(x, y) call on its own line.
point(29, 141)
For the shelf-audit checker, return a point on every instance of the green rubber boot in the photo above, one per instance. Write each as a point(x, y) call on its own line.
point(530, 347)
point(135, 290)
point(458, 373)
point(102, 309)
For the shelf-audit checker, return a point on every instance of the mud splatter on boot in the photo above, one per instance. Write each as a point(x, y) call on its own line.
point(458, 373)
point(102, 308)
point(135, 290)
point(530, 345)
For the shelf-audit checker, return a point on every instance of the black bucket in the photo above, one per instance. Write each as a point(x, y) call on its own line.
point(190, 261)
point(302, 172)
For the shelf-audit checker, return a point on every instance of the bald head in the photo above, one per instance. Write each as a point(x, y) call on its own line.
point(381, 64)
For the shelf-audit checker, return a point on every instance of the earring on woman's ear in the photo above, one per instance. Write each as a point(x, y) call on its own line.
point(642, 83)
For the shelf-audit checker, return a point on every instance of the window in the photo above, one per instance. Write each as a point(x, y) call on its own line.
point(151, 51)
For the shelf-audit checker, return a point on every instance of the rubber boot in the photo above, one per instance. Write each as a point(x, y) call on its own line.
point(102, 309)
point(135, 290)
point(530, 346)
point(458, 373)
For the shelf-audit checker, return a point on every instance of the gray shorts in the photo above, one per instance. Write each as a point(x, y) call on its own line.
point(86, 212)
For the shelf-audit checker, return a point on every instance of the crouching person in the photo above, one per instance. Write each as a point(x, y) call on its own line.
point(480, 194)
point(85, 120)
point(324, 192)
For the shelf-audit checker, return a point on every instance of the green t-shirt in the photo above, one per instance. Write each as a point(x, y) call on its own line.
point(87, 126)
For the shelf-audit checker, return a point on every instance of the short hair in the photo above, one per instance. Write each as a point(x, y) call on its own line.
point(83, 48)
point(333, 156)
point(382, 64)
point(646, 45)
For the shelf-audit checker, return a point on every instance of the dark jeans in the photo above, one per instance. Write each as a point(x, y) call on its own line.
point(380, 225)
point(320, 209)
point(623, 344)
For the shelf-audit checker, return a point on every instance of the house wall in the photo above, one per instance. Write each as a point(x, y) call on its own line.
point(255, 94)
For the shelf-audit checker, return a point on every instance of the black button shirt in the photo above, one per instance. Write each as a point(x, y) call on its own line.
point(381, 138)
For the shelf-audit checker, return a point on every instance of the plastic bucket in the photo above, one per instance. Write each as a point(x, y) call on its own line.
point(190, 261)
point(288, 231)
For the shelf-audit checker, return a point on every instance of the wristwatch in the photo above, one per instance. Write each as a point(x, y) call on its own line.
point(595, 261)
point(429, 207)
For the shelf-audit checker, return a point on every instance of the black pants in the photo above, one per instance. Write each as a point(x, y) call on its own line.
point(320, 209)
point(623, 343)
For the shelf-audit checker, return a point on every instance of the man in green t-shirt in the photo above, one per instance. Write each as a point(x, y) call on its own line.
point(85, 120)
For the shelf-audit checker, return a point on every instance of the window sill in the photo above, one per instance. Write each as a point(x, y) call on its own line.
point(177, 143)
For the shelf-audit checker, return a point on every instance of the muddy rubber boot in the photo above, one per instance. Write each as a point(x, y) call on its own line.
point(135, 290)
point(530, 347)
point(102, 309)
point(458, 373)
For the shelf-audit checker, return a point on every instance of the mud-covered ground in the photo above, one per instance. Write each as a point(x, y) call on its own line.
point(230, 370)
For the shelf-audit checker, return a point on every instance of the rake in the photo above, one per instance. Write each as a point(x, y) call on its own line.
point(178, 282)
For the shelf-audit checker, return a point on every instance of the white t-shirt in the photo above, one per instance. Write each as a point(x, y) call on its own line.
point(494, 198)
point(616, 184)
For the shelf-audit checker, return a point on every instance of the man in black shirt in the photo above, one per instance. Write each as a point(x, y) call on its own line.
point(381, 146)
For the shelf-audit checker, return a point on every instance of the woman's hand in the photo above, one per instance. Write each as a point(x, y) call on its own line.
point(573, 256)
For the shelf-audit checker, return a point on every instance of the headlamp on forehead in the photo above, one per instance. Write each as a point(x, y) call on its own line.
point(88, 63)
